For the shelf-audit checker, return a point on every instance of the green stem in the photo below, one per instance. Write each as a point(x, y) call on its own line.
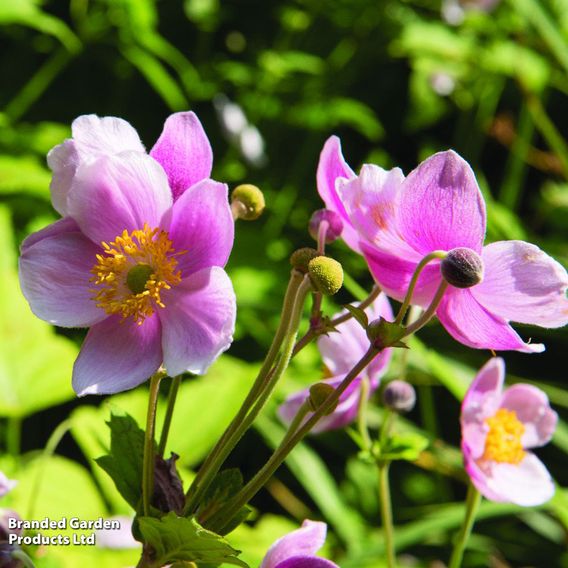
point(386, 513)
point(286, 446)
point(436, 255)
point(48, 451)
point(14, 435)
point(172, 395)
point(473, 500)
point(430, 311)
point(23, 558)
point(234, 431)
point(148, 467)
point(362, 414)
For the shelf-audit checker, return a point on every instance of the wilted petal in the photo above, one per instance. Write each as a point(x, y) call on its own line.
point(471, 324)
point(301, 542)
point(55, 277)
point(198, 321)
point(441, 206)
point(394, 272)
point(332, 167)
point(523, 284)
point(527, 483)
point(117, 193)
point(200, 223)
point(184, 151)
point(117, 355)
point(533, 409)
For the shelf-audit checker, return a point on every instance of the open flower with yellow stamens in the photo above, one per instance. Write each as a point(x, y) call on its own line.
point(498, 427)
point(139, 261)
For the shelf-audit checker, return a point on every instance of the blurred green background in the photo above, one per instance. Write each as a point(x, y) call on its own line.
point(270, 82)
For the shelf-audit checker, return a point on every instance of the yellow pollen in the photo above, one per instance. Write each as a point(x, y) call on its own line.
point(148, 252)
point(503, 442)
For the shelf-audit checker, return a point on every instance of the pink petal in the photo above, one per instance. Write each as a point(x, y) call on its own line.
point(65, 225)
point(304, 541)
point(332, 167)
point(200, 222)
point(441, 206)
point(527, 484)
point(523, 284)
point(198, 321)
point(93, 137)
point(371, 202)
point(393, 271)
point(471, 324)
point(480, 402)
point(117, 355)
point(533, 409)
point(117, 193)
point(184, 151)
point(305, 561)
point(478, 475)
point(55, 277)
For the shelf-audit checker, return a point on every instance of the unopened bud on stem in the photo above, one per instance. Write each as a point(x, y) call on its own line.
point(247, 202)
point(334, 225)
point(462, 268)
point(399, 396)
point(318, 395)
point(326, 275)
point(301, 257)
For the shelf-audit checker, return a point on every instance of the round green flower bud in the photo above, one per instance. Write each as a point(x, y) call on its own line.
point(301, 257)
point(462, 268)
point(326, 275)
point(318, 395)
point(247, 202)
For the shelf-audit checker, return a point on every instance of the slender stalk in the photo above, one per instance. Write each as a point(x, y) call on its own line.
point(148, 466)
point(172, 395)
point(436, 255)
point(322, 233)
point(48, 451)
point(430, 311)
point(286, 446)
point(14, 435)
point(473, 500)
point(362, 414)
point(240, 426)
point(23, 558)
point(386, 513)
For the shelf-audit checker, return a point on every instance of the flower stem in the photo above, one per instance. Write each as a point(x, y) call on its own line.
point(473, 500)
point(221, 518)
point(235, 430)
point(362, 414)
point(172, 395)
point(430, 311)
point(148, 466)
point(13, 435)
point(386, 513)
point(23, 558)
point(436, 255)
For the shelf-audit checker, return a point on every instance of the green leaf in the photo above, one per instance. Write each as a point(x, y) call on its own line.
point(32, 355)
point(226, 484)
point(24, 174)
point(176, 538)
point(358, 314)
point(406, 446)
point(387, 334)
point(124, 463)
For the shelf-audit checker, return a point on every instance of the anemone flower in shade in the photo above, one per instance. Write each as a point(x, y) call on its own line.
point(398, 221)
point(142, 269)
point(298, 548)
point(182, 149)
point(498, 427)
point(340, 352)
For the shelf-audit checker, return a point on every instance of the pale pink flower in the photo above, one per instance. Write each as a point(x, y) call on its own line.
point(396, 221)
point(498, 427)
point(298, 549)
point(139, 255)
point(340, 352)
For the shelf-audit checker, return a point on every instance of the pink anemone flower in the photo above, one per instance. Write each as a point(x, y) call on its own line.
point(139, 255)
point(498, 427)
point(396, 221)
point(298, 548)
point(340, 352)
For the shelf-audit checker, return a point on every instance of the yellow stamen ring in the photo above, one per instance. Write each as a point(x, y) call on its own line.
point(503, 442)
point(133, 271)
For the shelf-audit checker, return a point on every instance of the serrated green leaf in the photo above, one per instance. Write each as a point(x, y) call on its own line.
point(176, 538)
point(124, 462)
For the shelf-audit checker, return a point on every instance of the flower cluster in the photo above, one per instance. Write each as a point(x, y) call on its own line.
point(138, 255)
